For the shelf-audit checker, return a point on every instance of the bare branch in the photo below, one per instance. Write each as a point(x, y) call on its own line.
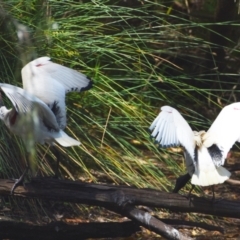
point(154, 224)
point(119, 196)
point(13, 229)
point(122, 199)
point(233, 182)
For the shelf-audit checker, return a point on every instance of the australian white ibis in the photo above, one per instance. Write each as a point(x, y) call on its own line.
point(30, 117)
point(32, 120)
point(205, 152)
point(39, 110)
point(50, 82)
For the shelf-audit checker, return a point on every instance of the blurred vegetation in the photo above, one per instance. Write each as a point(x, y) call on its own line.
point(141, 55)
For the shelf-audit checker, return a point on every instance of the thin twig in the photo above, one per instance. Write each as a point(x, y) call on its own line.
point(233, 182)
point(104, 131)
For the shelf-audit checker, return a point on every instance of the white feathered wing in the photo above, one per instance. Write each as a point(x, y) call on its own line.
point(50, 82)
point(224, 132)
point(35, 120)
point(171, 129)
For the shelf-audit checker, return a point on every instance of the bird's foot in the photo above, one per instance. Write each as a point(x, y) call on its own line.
point(214, 200)
point(190, 195)
point(19, 181)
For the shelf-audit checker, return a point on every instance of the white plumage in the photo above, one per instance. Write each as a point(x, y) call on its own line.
point(31, 119)
point(41, 102)
point(39, 110)
point(205, 152)
point(50, 82)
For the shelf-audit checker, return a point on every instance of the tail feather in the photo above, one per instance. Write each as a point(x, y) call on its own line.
point(66, 141)
point(206, 173)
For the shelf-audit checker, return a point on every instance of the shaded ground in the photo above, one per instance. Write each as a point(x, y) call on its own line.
point(47, 211)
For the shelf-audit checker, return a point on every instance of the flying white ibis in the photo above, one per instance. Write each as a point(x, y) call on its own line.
point(50, 82)
point(39, 110)
point(32, 120)
point(205, 152)
point(30, 116)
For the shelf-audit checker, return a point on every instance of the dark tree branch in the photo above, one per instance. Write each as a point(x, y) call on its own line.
point(188, 224)
point(12, 229)
point(116, 196)
point(122, 199)
point(154, 224)
point(233, 182)
point(233, 168)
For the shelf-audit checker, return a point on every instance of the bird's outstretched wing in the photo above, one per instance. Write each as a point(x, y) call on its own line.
point(25, 103)
point(225, 131)
point(171, 129)
point(72, 80)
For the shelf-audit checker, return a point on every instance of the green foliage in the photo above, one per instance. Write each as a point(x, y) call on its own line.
point(141, 55)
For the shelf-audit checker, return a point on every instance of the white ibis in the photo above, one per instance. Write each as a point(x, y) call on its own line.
point(31, 116)
point(50, 82)
point(39, 110)
point(205, 152)
point(32, 120)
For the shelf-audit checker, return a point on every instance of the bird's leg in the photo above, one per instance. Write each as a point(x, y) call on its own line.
point(19, 181)
point(213, 194)
point(189, 194)
point(214, 200)
point(30, 165)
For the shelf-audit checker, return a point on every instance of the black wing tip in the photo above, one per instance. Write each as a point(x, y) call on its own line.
point(163, 145)
point(89, 86)
point(168, 146)
point(157, 142)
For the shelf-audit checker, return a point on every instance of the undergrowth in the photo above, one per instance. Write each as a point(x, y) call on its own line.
point(141, 56)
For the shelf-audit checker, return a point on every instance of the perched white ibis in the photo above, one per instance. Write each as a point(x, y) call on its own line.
point(205, 152)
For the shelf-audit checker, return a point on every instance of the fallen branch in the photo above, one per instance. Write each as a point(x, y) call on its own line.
point(122, 199)
point(12, 229)
point(233, 182)
point(189, 224)
point(118, 196)
point(154, 224)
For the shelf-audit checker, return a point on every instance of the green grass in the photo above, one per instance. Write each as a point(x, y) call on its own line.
point(140, 58)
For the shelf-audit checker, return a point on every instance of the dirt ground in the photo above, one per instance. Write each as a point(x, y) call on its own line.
point(47, 211)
